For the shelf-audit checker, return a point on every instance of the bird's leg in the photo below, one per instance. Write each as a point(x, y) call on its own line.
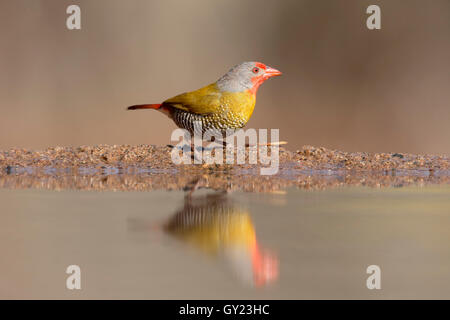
point(223, 142)
point(193, 150)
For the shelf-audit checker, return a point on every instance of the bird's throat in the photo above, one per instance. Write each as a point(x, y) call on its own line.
point(256, 83)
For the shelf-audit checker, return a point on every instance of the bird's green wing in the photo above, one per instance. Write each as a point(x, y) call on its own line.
point(202, 101)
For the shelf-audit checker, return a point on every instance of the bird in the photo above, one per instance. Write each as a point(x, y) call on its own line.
point(225, 104)
point(218, 228)
point(213, 225)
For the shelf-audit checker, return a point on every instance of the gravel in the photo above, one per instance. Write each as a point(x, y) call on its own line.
point(148, 167)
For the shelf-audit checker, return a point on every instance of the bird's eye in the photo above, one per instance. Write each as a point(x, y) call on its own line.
point(255, 70)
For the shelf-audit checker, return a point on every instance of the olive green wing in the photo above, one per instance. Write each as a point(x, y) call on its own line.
point(202, 101)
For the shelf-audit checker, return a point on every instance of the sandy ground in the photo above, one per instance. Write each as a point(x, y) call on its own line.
point(157, 157)
point(147, 167)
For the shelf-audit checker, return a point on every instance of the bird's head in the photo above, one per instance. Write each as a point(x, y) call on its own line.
point(246, 76)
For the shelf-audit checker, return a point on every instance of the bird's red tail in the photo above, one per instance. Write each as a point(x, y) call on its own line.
point(145, 106)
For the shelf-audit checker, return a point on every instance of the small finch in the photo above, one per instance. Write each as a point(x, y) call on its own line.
point(225, 104)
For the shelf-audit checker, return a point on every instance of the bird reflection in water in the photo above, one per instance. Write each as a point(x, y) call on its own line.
point(220, 229)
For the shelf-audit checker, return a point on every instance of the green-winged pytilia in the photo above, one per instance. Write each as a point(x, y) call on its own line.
point(225, 104)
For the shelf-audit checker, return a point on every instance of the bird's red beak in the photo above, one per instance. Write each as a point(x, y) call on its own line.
point(271, 72)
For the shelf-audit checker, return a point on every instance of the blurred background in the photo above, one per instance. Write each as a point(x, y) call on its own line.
point(344, 86)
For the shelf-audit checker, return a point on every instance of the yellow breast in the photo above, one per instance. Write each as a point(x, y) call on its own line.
point(240, 105)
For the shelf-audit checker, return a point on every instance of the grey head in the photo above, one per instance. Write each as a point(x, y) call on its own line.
point(246, 76)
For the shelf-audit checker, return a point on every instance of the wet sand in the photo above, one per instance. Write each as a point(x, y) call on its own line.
point(147, 167)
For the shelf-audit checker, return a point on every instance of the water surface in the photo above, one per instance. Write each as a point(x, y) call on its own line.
point(163, 244)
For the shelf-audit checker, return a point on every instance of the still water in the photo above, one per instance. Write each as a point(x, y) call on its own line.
point(213, 245)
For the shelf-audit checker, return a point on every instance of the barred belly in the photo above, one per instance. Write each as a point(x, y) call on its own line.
point(216, 122)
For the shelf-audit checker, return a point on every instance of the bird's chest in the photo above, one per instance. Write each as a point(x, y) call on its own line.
point(237, 108)
point(232, 113)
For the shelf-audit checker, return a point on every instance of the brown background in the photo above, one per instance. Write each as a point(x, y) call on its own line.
point(343, 87)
